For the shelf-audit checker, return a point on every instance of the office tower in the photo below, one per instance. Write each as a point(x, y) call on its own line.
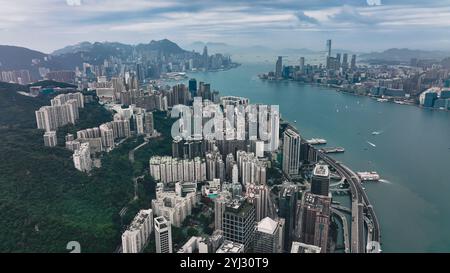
point(353, 63)
point(163, 235)
point(304, 248)
point(239, 222)
point(291, 152)
point(302, 65)
point(338, 61)
point(345, 62)
point(205, 57)
point(268, 236)
point(149, 128)
point(136, 236)
point(279, 67)
point(50, 139)
point(82, 158)
point(328, 48)
point(320, 180)
point(231, 247)
point(315, 220)
point(287, 210)
point(193, 87)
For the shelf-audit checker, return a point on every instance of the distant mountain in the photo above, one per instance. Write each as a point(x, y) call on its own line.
point(404, 55)
point(80, 47)
point(69, 57)
point(14, 57)
point(164, 46)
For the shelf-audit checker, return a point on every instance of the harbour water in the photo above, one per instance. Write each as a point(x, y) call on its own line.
point(411, 153)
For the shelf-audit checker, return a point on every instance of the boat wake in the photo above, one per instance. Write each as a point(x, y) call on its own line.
point(385, 181)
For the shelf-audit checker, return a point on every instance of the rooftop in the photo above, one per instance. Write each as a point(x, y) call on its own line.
point(267, 225)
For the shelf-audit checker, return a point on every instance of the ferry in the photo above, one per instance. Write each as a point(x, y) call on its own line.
point(382, 100)
point(369, 176)
point(317, 141)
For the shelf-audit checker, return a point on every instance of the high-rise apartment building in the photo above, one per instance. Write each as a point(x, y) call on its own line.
point(82, 158)
point(163, 235)
point(136, 236)
point(50, 139)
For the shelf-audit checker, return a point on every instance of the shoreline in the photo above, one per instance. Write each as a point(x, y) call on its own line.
point(338, 89)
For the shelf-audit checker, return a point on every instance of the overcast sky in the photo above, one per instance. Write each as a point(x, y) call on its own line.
point(359, 25)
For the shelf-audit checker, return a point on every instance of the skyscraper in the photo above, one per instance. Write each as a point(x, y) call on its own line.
point(345, 62)
point(353, 63)
point(163, 235)
point(291, 152)
point(205, 58)
point(302, 65)
point(239, 222)
point(328, 48)
point(219, 209)
point(320, 181)
point(193, 87)
point(287, 210)
point(137, 234)
point(314, 220)
point(279, 67)
point(268, 236)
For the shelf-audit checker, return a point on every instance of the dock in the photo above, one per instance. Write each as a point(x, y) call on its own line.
point(332, 150)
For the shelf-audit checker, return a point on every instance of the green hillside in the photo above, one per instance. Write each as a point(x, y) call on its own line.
point(45, 202)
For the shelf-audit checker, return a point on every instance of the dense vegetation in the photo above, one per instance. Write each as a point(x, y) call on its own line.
point(45, 202)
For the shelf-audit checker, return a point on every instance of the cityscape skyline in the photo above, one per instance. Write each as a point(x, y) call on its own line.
point(150, 146)
point(354, 24)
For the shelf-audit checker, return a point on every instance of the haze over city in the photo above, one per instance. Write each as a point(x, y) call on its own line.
point(358, 25)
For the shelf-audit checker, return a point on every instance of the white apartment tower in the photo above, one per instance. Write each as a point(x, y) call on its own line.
point(50, 139)
point(163, 235)
point(82, 158)
point(136, 236)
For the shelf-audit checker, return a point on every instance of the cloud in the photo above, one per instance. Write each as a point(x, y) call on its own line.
point(374, 2)
point(350, 15)
point(73, 2)
point(303, 18)
point(232, 21)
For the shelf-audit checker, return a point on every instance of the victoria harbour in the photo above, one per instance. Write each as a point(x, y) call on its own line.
point(411, 150)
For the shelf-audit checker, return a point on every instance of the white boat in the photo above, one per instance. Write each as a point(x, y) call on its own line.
point(375, 133)
point(371, 144)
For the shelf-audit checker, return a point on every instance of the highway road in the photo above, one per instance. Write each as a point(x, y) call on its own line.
point(360, 204)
